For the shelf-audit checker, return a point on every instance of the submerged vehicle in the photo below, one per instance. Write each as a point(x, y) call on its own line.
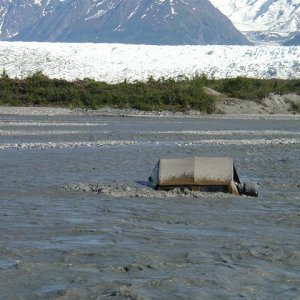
point(207, 174)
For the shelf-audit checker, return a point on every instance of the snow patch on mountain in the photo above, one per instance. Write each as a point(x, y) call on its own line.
point(37, 2)
point(118, 62)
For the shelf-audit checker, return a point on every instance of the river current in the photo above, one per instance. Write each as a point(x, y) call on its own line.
point(63, 244)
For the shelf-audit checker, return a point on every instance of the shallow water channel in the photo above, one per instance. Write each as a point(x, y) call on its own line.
point(61, 244)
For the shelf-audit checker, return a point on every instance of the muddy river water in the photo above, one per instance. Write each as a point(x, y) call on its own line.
point(57, 243)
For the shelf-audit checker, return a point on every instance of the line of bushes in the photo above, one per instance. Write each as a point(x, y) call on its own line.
point(162, 94)
point(255, 89)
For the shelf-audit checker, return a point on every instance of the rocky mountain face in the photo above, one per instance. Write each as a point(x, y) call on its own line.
point(294, 41)
point(17, 15)
point(263, 21)
point(161, 22)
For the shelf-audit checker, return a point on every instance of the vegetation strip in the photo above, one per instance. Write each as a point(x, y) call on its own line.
point(179, 94)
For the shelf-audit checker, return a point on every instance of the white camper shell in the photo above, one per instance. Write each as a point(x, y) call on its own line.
point(216, 174)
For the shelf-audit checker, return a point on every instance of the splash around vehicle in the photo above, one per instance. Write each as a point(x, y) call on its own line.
point(207, 174)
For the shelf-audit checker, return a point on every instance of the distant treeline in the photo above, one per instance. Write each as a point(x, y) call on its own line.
point(179, 94)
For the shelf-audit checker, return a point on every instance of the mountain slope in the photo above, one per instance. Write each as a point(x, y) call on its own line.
point(294, 41)
point(135, 21)
point(263, 20)
point(17, 15)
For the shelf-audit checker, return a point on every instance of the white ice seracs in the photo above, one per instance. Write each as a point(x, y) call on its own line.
point(118, 62)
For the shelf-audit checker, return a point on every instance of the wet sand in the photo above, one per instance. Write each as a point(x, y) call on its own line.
point(125, 243)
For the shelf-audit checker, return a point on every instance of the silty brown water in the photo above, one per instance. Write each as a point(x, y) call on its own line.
point(62, 244)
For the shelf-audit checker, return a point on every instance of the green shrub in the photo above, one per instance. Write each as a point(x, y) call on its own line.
point(178, 94)
point(296, 107)
point(254, 89)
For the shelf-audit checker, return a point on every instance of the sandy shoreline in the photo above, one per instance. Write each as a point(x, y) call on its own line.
point(34, 111)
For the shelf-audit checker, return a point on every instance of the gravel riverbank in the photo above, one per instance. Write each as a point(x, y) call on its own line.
point(229, 108)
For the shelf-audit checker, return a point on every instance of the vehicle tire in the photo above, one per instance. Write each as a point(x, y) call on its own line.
point(250, 189)
point(240, 187)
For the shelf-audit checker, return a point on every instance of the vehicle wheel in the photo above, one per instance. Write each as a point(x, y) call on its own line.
point(249, 189)
point(240, 187)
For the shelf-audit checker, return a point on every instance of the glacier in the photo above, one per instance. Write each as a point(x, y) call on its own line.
point(113, 63)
